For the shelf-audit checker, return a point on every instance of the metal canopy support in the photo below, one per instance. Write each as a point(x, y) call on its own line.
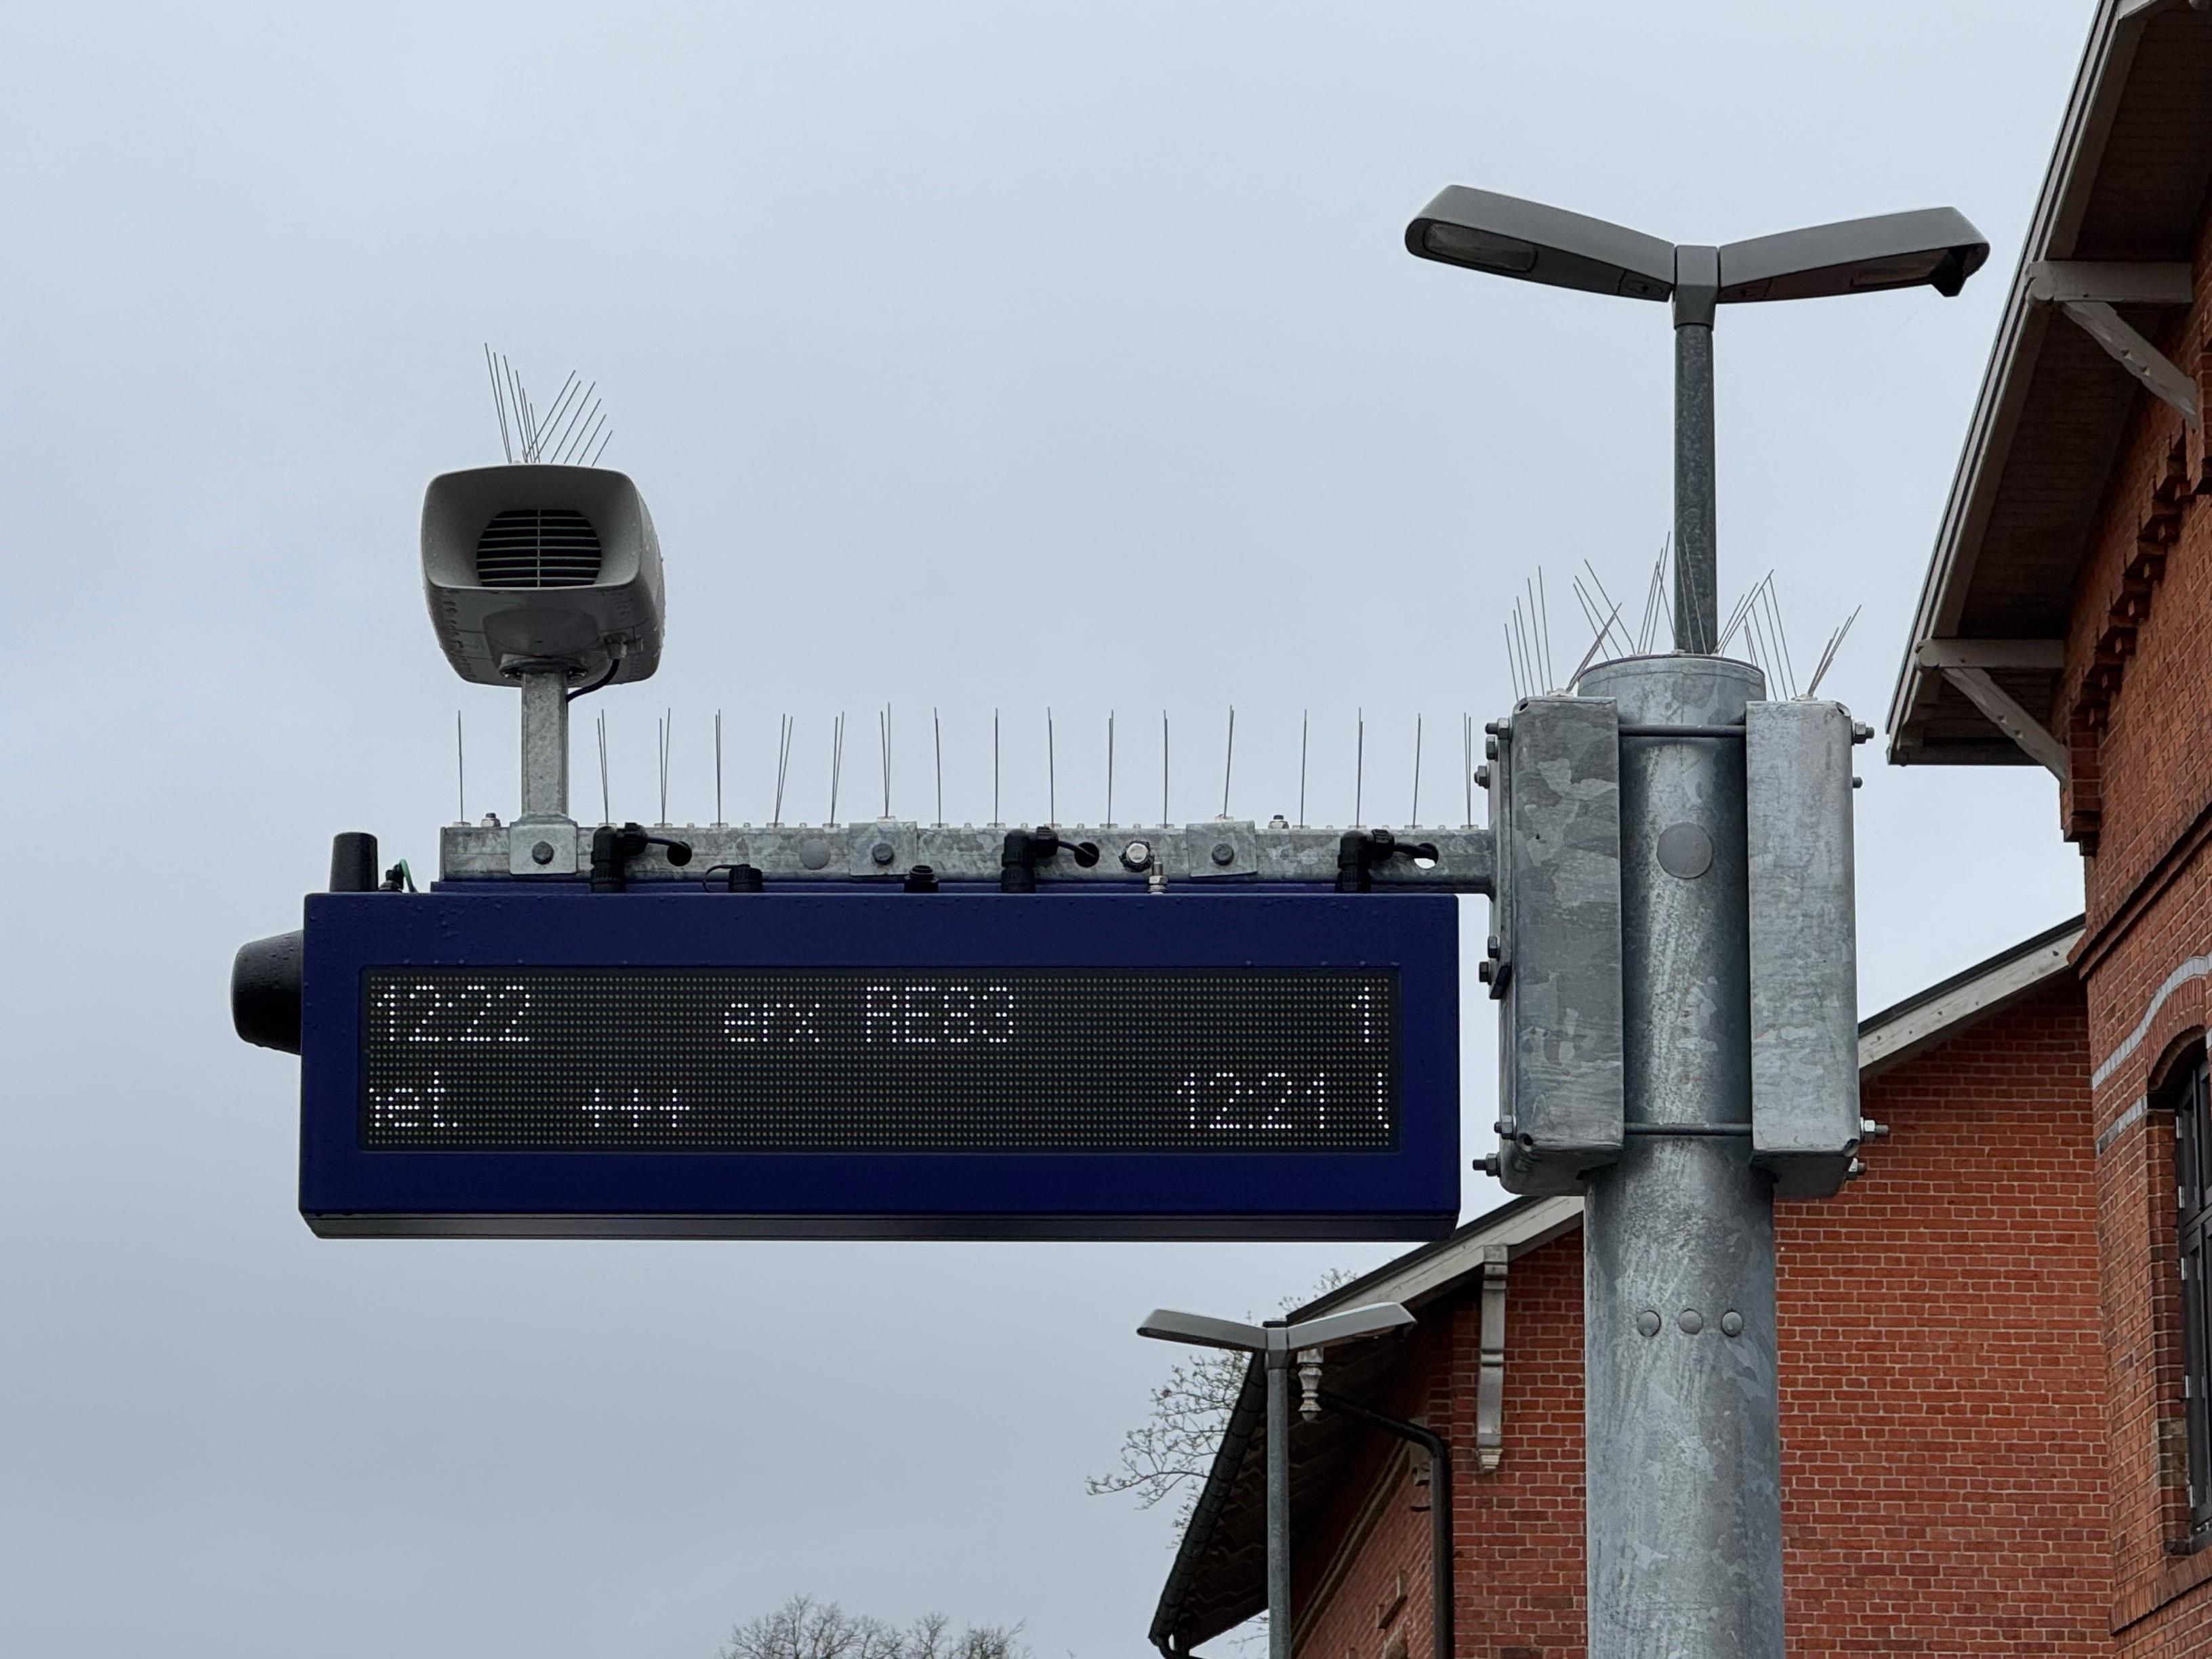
point(2111, 281)
point(1490, 1377)
point(2034, 738)
point(2046, 656)
point(2138, 356)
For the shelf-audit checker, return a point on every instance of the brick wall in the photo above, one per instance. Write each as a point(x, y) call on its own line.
point(2136, 693)
point(1942, 1398)
point(1942, 1408)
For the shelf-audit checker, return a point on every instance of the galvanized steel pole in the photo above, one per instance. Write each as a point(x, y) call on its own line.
point(1681, 1408)
point(545, 743)
point(1278, 1501)
point(1696, 602)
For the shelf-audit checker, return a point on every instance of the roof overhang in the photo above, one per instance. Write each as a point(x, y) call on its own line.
point(1219, 1576)
point(2103, 273)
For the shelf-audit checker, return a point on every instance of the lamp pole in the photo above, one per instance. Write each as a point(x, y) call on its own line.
point(1280, 1345)
point(1682, 1412)
point(1697, 558)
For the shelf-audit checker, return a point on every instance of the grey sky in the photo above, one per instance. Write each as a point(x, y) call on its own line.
point(969, 355)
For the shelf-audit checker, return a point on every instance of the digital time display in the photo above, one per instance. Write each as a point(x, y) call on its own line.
point(788, 1060)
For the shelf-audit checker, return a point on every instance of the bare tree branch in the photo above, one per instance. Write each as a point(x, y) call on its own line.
point(1170, 1453)
point(803, 1628)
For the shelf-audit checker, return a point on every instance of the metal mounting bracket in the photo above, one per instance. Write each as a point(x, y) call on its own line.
point(2111, 281)
point(1490, 1377)
point(2138, 356)
point(1966, 663)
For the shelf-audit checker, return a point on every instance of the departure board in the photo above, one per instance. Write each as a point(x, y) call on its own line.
point(510, 1060)
point(641, 1059)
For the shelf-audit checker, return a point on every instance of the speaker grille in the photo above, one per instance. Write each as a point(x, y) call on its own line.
point(538, 547)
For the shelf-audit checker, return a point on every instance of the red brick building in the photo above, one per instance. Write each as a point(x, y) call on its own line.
point(1943, 1388)
point(2064, 624)
point(1997, 1395)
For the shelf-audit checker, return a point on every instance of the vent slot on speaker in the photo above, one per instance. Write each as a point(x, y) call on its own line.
point(538, 547)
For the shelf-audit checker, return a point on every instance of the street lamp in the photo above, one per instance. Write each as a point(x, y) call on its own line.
point(1280, 1341)
point(1505, 236)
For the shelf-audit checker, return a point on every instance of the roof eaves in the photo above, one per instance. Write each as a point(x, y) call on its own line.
point(2075, 157)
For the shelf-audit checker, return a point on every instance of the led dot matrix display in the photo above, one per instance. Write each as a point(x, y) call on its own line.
point(712, 1060)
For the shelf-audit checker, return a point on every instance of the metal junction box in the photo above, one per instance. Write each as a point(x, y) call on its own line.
point(1804, 957)
point(1555, 808)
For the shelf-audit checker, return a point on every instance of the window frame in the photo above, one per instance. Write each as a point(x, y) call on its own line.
point(2190, 1088)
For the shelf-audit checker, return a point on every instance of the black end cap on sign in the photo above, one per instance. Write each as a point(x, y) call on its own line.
point(264, 992)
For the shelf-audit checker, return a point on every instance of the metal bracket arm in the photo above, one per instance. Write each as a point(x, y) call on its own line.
point(2138, 356)
point(2047, 655)
point(1490, 1377)
point(2033, 736)
point(2111, 281)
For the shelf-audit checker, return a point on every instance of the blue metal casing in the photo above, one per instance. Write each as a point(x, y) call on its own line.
point(1409, 1190)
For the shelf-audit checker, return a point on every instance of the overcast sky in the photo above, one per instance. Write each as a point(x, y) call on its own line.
point(968, 356)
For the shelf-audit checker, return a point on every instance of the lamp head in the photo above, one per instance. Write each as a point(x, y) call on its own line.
point(1932, 248)
point(1507, 236)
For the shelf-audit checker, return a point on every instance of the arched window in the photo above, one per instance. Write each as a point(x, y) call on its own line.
point(2192, 1152)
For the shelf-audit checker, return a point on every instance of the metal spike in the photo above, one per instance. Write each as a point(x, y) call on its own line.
point(1229, 760)
point(1589, 656)
point(995, 820)
point(782, 768)
point(936, 745)
point(1544, 631)
point(884, 744)
point(1109, 769)
point(1051, 773)
point(1781, 638)
point(1415, 821)
point(1466, 755)
point(1835, 644)
point(460, 771)
point(499, 406)
point(1359, 771)
point(606, 796)
point(667, 734)
point(1305, 736)
point(560, 402)
point(1163, 768)
point(1604, 598)
point(718, 769)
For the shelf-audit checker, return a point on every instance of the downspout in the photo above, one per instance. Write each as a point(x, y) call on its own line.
point(1440, 1502)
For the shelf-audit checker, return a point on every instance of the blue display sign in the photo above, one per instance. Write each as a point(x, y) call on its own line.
point(558, 1063)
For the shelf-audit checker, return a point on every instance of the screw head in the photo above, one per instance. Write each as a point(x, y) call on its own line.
point(814, 852)
point(1731, 1323)
point(881, 853)
point(1482, 777)
point(1490, 748)
point(542, 853)
point(1137, 855)
point(1647, 1323)
point(1691, 1321)
point(1224, 853)
point(1486, 971)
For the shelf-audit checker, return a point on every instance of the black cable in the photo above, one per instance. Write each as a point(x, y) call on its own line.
point(614, 667)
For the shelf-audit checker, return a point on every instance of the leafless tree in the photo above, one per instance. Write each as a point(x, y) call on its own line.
point(803, 1628)
point(1168, 1455)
